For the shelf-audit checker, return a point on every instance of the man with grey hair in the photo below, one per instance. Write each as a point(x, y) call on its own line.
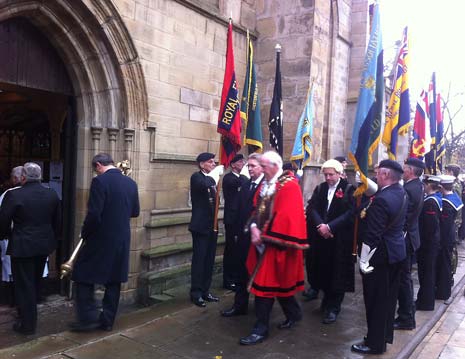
point(382, 251)
point(36, 216)
point(275, 260)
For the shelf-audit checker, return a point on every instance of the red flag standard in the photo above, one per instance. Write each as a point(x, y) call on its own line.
point(229, 120)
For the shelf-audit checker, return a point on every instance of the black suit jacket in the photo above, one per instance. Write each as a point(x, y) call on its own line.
point(232, 186)
point(113, 200)
point(203, 194)
point(36, 215)
point(415, 192)
point(384, 223)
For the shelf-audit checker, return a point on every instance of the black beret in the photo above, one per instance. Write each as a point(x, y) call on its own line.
point(205, 156)
point(340, 158)
point(393, 165)
point(237, 157)
point(415, 162)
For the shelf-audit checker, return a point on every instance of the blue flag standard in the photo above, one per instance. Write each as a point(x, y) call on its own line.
point(303, 148)
point(367, 126)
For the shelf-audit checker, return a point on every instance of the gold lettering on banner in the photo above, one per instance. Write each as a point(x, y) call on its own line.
point(230, 110)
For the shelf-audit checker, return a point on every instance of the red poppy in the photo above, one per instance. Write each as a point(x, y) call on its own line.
point(339, 193)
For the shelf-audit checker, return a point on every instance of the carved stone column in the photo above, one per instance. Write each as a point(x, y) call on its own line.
point(128, 144)
point(96, 132)
point(112, 137)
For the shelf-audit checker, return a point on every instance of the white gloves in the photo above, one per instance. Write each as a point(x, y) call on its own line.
point(216, 173)
point(365, 257)
point(245, 171)
point(372, 188)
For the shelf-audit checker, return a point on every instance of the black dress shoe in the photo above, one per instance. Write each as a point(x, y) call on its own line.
point(232, 312)
point(364, 349)
point(287, 324)
point(84, 327)
point(230, 286)
point(399, 325)
point(18, 328)
point(329, 318)
point(310, 294)
point(252, 339)
point(199, 302)
point(210, 298)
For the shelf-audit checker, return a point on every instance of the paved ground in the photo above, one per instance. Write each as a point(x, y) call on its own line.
point(180, 330)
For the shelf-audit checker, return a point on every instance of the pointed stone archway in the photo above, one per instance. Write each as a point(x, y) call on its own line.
point(103, 65)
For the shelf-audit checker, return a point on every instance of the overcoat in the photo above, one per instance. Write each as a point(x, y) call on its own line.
point(332, 262)
point(415, 193)
point(36, 215)
point(203, 193)
point(104, 258)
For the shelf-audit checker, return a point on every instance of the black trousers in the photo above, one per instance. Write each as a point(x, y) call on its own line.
point(86, 306)
point(230, 261)
point(263, 307)
point(241, 297)
point(406, 310)
point(380, 290)
point(27, 273)
point(203, 259)
point(444, 272)
point(332, 301)
point(426, 259)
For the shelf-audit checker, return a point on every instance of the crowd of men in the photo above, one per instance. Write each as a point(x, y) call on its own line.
point(30, 226)
point(402, 217)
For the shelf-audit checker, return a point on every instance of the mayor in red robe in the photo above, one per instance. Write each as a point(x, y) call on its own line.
point(278, 236)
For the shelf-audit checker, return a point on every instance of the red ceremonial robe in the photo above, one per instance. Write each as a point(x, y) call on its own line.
point(281, 273)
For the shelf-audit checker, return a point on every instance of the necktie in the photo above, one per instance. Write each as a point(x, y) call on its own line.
point(252, 186)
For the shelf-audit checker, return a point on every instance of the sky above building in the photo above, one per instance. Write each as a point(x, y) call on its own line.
point(436, 30)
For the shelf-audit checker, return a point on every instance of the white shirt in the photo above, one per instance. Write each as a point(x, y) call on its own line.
point(331, 191)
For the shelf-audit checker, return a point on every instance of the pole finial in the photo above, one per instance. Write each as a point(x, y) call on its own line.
point(278, 48)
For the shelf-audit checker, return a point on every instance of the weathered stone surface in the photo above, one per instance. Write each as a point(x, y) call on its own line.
point(195, 98)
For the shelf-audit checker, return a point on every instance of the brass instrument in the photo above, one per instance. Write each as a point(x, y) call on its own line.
point(67, 267)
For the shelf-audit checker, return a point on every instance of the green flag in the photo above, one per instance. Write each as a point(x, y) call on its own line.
point(250, 106)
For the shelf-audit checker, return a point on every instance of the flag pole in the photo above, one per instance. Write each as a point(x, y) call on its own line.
point(220, 180)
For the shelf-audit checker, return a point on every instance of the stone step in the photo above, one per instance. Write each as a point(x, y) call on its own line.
point(166, 256)
point(160, 286)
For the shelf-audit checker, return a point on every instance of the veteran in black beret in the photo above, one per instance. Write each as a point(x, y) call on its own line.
point(413, 169)
point(232, 184)
point(203, 195)
point(381, 255)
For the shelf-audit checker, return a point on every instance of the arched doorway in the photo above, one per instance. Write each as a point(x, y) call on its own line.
point(96, 101)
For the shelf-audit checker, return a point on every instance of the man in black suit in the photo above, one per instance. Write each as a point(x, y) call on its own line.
point(413, 169)
point(381, 256)
point(35, 214)
point(247, 192)
point(232, 186)
point(104, 258)
point(203, 195)
point(330, 234)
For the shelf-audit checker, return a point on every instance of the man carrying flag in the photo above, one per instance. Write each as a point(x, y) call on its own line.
point(250, 105)
point(276, 111)
point(302, 150)
point(229, 122)
point(430, 157)
point(398, 112)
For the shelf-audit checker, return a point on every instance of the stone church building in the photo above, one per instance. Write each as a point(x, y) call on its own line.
point(141, 80)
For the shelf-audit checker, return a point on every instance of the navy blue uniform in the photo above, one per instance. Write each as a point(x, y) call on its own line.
point(415, 192)
point(232, 186)
point(203, 194)
point(430, 236)
point(382, 229)
point(451, 204)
